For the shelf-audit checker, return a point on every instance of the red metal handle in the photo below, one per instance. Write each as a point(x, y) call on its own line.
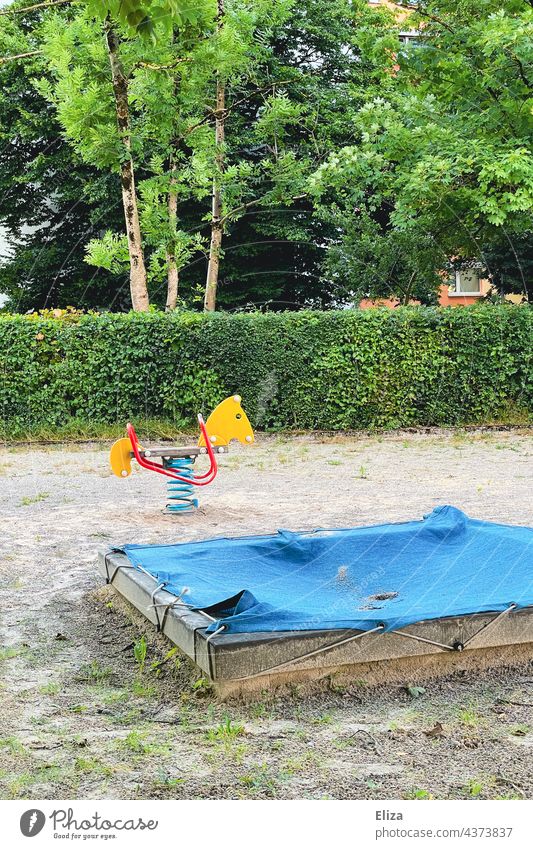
point(197, 480)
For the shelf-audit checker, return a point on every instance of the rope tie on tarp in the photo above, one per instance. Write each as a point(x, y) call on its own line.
point(442, 646)
point(110, 578)
point(154, 606)
point(308, 654)
point(166, 606)
point(160, 621)
point(209, 652)
point(457, 646)
point(214, 634)
point(491, 623)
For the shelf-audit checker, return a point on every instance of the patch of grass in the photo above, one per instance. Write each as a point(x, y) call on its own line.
point(470, 717)
point(342, 743)
point(12, 744)
point(225, 732)
point(140, 649)
point(135, 742)
point(33, 499)
point(83, 431)
point(418, 793)
point(47, 773)
point(233, 462)
point(259, 782)
point(50, 689)
point(93, 673)
point(92, 765)
point(475, 787)
point(300, 764)
point(460, 437)
point(172, 655)
point(115, 696)
point(39, 721)
point(335, 686)
point(7, 652)
point(520, 730)
point(225, 739)
point(141, 690)
point(202, 685)
point(129, 717)
point(323, 719)
point(165, 780)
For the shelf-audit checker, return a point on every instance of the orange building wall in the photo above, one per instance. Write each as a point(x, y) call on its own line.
point(446, 298)
point(400, 11)
point(451, 299)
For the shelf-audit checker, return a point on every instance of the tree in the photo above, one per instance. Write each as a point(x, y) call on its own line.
point(149, 18)
point(51, 203)
point(138, 283)
point(297, 108)
point(446, 153)
point(216, 205)
point(106, 139)
point(291, 79)
point(509, 261)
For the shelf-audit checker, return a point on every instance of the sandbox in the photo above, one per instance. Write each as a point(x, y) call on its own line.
point(380, 602)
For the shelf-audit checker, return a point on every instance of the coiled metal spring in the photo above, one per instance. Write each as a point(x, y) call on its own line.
point(180, 494)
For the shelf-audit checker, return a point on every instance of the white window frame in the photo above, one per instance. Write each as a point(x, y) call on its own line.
point(456, 291)
point(408, 36)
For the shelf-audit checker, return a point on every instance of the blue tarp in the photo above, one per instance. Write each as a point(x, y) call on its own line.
point(356, 578)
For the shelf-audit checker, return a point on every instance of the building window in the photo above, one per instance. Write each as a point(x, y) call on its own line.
point(410, 38)
point(465, 281)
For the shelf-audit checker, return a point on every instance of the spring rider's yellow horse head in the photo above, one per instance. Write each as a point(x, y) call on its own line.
point(228, 421)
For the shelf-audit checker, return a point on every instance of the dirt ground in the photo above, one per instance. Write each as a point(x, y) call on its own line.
point(81, 719)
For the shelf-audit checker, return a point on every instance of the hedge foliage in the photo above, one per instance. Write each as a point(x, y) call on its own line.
point(331, 370)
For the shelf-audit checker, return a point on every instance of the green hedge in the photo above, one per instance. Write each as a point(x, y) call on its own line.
point(332, 370)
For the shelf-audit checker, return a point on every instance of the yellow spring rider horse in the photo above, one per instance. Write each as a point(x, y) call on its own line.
point(228, 421)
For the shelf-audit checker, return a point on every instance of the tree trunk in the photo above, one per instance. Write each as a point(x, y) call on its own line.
point(217, 226)
point(210, 300)
point(407, 293)
point(172, 267)
point(138, 286)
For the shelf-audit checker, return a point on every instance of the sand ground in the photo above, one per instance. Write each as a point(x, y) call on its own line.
point(81, 720)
